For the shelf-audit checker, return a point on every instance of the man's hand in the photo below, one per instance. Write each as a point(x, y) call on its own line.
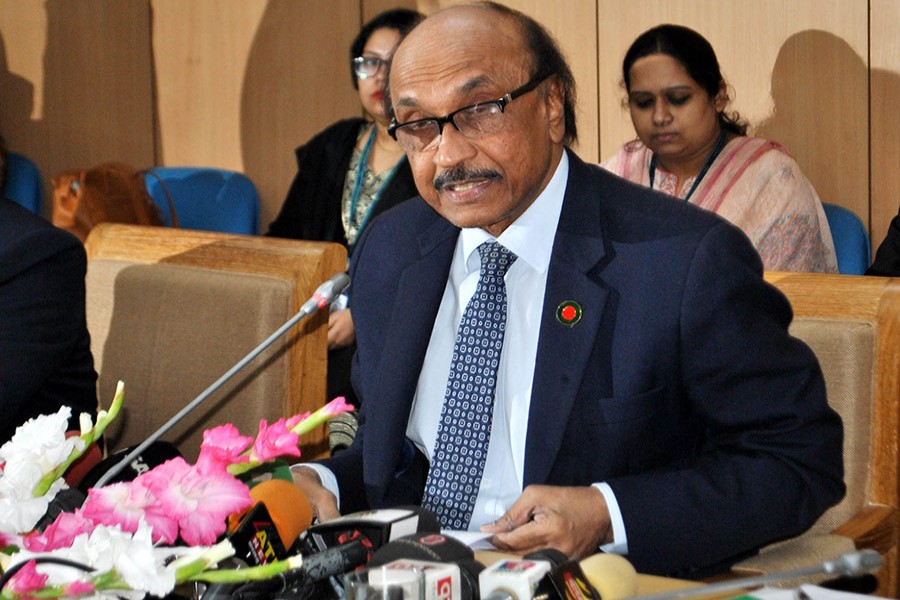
point(574, 520)
point(341, 332)
point(323, 502)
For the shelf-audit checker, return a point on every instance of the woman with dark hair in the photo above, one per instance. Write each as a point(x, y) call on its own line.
point(349, 173)
point(690, 147)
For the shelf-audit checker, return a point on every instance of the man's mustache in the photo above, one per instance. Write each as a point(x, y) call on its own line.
point(460, 174)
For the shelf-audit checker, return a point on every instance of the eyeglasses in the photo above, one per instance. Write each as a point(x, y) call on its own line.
point(472, 121)
point(368, 66)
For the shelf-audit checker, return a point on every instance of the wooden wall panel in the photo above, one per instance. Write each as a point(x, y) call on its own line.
point(84, 92)
point(797, 69)
point(244, 82)
point(885, 87)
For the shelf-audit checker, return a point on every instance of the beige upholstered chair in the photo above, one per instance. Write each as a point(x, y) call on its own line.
point(852, 323)
point(171, 310)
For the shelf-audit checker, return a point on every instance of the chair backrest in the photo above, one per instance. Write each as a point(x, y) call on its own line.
point(171, 310)
point(853, 326)
point(23, 182)
point(851, 241)
point(207, 198)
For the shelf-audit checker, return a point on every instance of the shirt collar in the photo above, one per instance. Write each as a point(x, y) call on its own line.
point(530, 237)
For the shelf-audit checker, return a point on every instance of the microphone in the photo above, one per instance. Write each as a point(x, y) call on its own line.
point(612, 575)
point(451, 571)
point(315, 568)
point(266, 531)
point(269, 528)
point(374, 528)
point(518, 579)
point(566, 581)
point(443, 581)
point(324, 294)
point(851, 564)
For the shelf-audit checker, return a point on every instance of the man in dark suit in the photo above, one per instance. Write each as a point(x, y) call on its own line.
point(649, 399)
point(45, 351)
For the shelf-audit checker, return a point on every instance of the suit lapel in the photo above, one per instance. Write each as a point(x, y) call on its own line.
point(563, 350)
point(419, 293)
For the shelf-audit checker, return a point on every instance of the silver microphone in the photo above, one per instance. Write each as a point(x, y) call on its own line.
point(851, 564)
point(324, 295)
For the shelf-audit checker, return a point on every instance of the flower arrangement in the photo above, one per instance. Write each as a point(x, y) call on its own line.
point(122, 541)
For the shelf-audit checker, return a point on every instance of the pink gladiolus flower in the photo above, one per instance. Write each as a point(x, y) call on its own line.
point(222, 446)
point(79, 588)
point(125, 504)
point(297, 419)
point(200, 502)
point(60, 534)
point(273, 441)
point(27, 579)
point(337, 406)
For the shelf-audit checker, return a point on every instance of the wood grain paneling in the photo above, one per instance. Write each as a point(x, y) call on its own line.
point(885, 98)
point(244, 82)
point(87, 95)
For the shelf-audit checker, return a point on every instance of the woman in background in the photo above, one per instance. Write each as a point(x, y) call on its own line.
point(350, 173)
point(689, 147)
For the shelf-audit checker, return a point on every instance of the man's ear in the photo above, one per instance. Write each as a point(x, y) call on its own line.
point(555, 103)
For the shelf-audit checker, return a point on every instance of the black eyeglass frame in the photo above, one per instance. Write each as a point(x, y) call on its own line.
point(500, 102)
point(357, 62)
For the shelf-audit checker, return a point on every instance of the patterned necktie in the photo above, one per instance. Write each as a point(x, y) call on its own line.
point(465, 427)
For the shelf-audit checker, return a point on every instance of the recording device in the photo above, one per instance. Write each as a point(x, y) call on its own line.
point(517, 579)
point(566, 581)
point(374, 528)
point(851, 564)
point(267, 530)
point(451, 571)
point(315, 568)
point(324, 295)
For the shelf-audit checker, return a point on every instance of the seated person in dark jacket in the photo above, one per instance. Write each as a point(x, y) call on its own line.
point(350, 173)
point(45, 350)
point(887, 258)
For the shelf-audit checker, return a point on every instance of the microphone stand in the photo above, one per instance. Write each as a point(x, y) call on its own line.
point(324, 295)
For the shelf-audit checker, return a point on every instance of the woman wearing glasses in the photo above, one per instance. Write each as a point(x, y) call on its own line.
point(349, 173)
point(691, 148)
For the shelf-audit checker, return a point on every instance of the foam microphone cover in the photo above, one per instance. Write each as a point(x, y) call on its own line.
point(428, 546)
point(611, 575)
point(290, 509)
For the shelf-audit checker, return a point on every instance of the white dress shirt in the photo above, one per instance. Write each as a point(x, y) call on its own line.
point(530, 237)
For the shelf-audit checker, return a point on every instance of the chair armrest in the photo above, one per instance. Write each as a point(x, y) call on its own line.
point(874, 527)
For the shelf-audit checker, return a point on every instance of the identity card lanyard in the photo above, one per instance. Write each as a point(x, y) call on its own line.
point(720, 144)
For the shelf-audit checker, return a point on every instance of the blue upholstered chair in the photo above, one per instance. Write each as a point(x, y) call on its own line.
point(207, 198)
point(851, 241)
point(23, 182)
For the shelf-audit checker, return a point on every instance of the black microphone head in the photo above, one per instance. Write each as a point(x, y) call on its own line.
point(428, 521)
point(156, 454)
point(551, 555)
point(66, 500)
point(434, 547)
point(374, 528)
point(469, 569)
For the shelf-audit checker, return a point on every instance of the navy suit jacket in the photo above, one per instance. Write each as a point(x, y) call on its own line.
point(45, 349)
point(679, 386)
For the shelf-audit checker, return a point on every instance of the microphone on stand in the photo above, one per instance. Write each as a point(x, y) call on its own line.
point(851, 564)
point(324, 295)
